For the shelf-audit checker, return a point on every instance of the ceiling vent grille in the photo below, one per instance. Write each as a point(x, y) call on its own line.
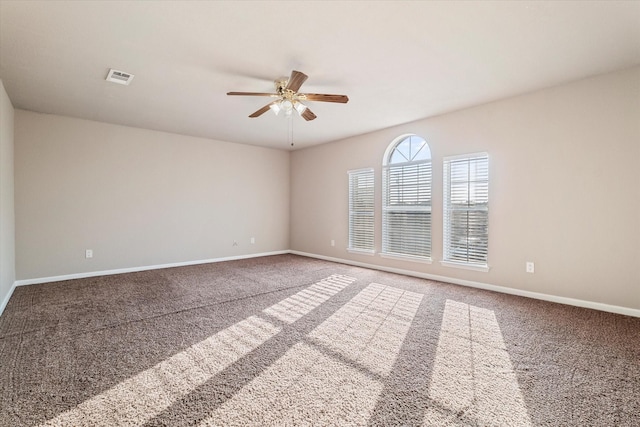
point(119, 77)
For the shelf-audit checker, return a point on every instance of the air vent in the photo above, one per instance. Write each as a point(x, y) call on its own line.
point(119, 77)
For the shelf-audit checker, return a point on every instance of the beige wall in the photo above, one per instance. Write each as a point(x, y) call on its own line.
point(564, 189)
point(7, 222)
point(139, 198)
point(565, 193)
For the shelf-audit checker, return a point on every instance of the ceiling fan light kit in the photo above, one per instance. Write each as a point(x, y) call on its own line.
point(300, 107)
point(288, 98)
point(287, 107)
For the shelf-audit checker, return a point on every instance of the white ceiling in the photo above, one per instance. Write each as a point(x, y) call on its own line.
point(397, 61)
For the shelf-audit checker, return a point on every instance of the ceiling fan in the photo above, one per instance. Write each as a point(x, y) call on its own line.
point(288, 98)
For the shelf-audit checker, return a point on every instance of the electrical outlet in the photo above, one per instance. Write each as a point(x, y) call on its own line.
point(88, 253)
point(333, 243)
point(530, 268)
point(253, 240)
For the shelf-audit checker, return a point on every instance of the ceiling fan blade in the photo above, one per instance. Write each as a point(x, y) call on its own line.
point(308, 115)
point(262, 110)
point(253, 94)
point(296, 80)
point(343, 99)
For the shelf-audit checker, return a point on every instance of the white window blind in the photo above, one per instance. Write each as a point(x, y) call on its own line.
point(406, 194)
point(361, 210)
point(466, 209)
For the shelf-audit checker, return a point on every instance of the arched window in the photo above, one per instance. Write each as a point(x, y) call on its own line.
point(406, 198)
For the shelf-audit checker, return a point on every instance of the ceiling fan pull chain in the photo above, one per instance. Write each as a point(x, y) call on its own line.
point(290, 120)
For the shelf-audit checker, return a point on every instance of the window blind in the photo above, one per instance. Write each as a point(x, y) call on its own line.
point(406, 212)
point(361, 210)
point(466, 209)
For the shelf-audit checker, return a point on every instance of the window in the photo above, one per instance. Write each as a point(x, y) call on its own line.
point(406, 199)
point(466, 210)
point(361, 211)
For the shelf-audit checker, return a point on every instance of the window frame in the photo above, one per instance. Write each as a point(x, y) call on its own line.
point(447, 211)
point(360, 213)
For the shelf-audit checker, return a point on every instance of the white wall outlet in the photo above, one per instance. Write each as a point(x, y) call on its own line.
point(530, 268)
point(253, 240)
point(333, 243)
point(88, 253)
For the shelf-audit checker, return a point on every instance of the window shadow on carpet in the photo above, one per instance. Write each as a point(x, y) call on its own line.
point(149, 393)
point(330, 354)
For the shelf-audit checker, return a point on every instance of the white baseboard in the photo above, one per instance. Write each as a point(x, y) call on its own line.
point(6, 299)
point(144, 268)
point(512, 291)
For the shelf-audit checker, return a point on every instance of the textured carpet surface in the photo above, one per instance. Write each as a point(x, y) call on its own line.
point(294, 341)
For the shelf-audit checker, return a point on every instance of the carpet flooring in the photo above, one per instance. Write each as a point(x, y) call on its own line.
point(293, 341)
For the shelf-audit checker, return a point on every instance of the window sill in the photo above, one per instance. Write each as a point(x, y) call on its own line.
point(474, 267)
point(361, 251)
point(423, 260)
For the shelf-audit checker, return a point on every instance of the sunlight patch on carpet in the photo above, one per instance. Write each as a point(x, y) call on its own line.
point(300, 304)
point(370, 328)
point(473, 378)
point(303, 387)
point(337, 376)
point(142, 397)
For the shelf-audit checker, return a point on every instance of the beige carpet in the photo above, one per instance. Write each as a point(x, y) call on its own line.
point(293, 341)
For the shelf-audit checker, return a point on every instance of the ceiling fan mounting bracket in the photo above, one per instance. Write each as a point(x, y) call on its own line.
point(283, 92)
point(280, 85)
